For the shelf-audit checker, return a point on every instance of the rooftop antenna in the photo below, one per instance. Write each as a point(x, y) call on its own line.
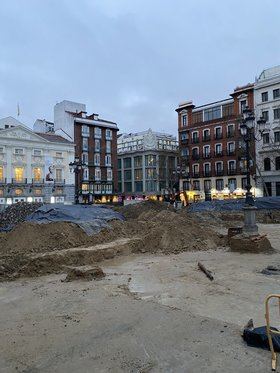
point(18, 111)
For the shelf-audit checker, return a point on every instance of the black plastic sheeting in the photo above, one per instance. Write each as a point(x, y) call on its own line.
point(258, 338)
point(91, 218)
point(262, 203)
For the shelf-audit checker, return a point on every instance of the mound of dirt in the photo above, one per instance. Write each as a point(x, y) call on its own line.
point(136, 210)
point(17, 213)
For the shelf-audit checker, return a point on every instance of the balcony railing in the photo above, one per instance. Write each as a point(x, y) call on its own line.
point(184, 141)
point(232, 171)
point(195, 140)
point(195, 157)
point(230, 152)
point(207, 155)
point(207, 173)
point(59, 181)
point(230, 134)
point(219, 153)
point(196, 175)
point(206, 138)
point(218, 136)
point(19, 181)
point(38, 181)
point(219, 172)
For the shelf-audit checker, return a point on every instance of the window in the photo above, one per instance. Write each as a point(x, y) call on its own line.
point(108, 146)
point(37, 152)
point(195, 170)
point(37, 173)
point(1, 173)
point(85, 143)
point(206, 151)
point(150, 173)
point(97, 174)
point(97, 133)
point(108, 161)
point(85, 175)
point(119, 163)
point(1, 149)
point(266, 164)
point(58, 154)
point(227, 110)
point(206, 135)
point(265, 137)
point(276, 113)
point(128, 187)
point(219, 184)
point(85, 130)
point(184, 120)
point(265, 115)
point(184, 136)
point(150, 160)
point(277, 188)
point(276, 93)
point(109, 174)
point(207, 169)
point(197, 117)
point(218, 149)
point(264, 96)
point(231, 166)
point(151, 186)
point(277, 163)
point(108, 134)
point(85, 157)
point(243, 104)
point(127, 175)
point(218, 133)
point(230, 130)
point(138, 161)
point(212, 113)
point(19, 174)
point(207, 185)
point(58, 174)
point(195, 139)
point(232, 184)
point(277, 136)
point(138, 186)
point(268, 190)
point(184, 152)
point(97, 159)
point(138, 174)
point(127, 163)
point(196, 185)
point(97, 145)
point(18, 151)
point(231, 148)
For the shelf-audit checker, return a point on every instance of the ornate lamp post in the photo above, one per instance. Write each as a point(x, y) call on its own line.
point(76, 167)
point(247, 131)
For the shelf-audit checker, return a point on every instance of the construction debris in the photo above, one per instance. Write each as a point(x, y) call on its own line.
point(206, 271)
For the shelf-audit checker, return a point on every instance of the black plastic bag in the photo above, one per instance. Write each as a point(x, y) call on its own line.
point(257, 337)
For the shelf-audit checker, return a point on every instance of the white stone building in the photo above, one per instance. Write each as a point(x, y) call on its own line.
point(147, 163)
point(33, 166)
point(267, 103)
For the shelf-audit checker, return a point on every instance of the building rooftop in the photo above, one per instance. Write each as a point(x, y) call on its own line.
point(269, 73)
point(53, 138)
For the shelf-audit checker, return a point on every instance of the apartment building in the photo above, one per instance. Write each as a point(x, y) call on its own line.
point(147, 164)
point(212, 148)
point(96, 148)
point(267, 103)
point(33, 166)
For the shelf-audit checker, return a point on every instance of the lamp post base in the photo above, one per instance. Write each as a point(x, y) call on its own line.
point(250, 227)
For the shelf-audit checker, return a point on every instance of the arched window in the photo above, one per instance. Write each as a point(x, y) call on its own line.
point(266, 164)
point(277, 163)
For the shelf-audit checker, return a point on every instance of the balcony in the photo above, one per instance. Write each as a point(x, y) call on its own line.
point(230, 152)
point(196, 175)
point(230, 134)
point(19, 181)
point(206, 138)
point(195, 140)
point(218, 136)
point(195, 157)
point(184, 141)
point(38, 181)
point(232, 171)
point(206, 155)
point(219, 172)
point(59, 181)
point(207, 173)
point(219, 154)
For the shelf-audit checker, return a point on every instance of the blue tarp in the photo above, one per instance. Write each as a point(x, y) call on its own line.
point(263, 203)
point(90, 218)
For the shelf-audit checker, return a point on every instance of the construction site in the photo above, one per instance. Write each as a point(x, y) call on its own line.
point(137, 288)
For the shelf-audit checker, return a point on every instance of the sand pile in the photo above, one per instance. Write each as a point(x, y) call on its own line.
point(157, 226)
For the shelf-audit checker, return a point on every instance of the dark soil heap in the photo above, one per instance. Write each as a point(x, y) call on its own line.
point(17, 213)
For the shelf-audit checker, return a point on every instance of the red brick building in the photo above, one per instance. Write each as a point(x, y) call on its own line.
point(96, 147)
point(211, 146)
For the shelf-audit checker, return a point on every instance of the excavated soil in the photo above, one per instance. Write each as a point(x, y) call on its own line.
point(158, 227)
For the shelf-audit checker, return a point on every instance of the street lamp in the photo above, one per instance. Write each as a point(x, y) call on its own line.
point(76, 167)
point(247, 131)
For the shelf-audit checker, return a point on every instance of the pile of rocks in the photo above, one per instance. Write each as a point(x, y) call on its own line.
point(16, 213)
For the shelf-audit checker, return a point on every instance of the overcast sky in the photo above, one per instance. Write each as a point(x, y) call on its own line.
point(131, 61)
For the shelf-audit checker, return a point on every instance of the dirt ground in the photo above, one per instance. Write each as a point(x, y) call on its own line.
point(151, 313)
